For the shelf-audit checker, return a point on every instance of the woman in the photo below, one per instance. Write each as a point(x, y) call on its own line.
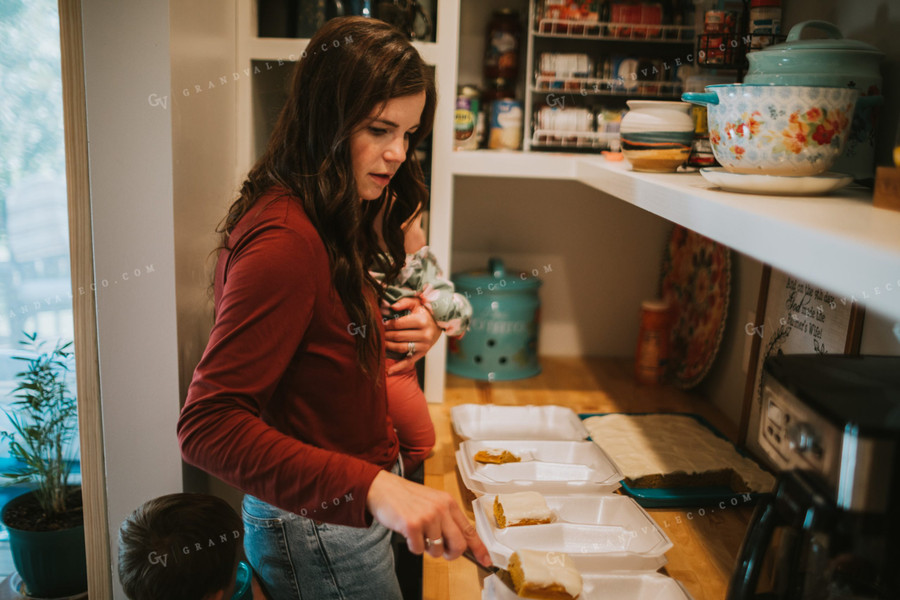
point(288, 401)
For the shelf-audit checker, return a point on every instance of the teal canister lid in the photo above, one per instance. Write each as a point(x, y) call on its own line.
point(834, 41)
point(497, 279)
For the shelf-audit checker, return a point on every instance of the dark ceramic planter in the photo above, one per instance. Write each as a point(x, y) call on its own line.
point(51, 563)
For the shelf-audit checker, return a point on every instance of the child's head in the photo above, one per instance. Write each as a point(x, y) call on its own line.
point(180, 547)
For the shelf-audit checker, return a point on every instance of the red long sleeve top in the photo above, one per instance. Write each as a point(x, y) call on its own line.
point(279, 406)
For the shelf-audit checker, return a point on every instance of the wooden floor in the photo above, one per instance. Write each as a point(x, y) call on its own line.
point(705, 542)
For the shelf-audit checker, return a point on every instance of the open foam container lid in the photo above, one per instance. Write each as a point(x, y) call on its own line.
point(496, 422)
point(548, 467)
point(600, 532)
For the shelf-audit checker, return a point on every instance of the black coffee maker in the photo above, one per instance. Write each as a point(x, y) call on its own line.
point(831, 530)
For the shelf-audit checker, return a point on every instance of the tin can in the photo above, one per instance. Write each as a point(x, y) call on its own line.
point(765, 22)
point(701, 154)
point(506, 125)
point(712, 51)
point(652, 357)
point(622, 16)
point(719, 21)
point(477, 105)
point(701, 126)
point(464, 121)
point(468, 123)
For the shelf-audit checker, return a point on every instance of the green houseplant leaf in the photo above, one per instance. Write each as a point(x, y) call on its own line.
point(44, 423)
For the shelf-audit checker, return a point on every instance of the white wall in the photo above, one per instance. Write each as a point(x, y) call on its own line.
point(126, 48)
point(604, 256)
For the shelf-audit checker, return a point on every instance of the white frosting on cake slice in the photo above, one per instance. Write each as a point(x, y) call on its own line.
point(642, 445)
point(543, 568)
point(521, 506)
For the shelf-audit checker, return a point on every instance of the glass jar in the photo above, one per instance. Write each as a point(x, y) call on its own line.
point(501, 53)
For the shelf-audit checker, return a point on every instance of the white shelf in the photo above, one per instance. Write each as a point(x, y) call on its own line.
point(513, 163)
point(840, 242)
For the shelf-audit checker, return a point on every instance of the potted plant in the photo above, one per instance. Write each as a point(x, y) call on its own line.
point(46, 525)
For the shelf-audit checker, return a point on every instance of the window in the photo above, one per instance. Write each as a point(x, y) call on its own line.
point(35, 283)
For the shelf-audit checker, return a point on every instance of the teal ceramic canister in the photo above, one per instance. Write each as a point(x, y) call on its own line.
point(831, 62)
point(502, 340)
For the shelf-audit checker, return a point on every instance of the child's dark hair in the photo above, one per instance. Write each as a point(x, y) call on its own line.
point(179, 547)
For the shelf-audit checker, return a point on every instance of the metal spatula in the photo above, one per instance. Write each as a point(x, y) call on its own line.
point(502, 574)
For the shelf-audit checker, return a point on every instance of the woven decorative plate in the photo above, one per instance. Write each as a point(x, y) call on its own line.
point(696, 281)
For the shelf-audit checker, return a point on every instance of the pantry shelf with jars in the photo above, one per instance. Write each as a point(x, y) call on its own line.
point(584, 65)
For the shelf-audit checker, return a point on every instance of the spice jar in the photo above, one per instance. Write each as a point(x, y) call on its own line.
point(501, 51)
point(652, 357)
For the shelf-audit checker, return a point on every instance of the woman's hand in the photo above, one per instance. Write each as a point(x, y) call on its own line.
point(418, 512)
point(417, 327)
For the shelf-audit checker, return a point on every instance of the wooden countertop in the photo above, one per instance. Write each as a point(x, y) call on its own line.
point(705, 542)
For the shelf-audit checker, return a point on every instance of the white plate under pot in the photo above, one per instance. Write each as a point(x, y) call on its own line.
point(777, 185)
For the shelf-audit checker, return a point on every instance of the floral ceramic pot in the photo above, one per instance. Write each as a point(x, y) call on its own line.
point(777, 130)
point(656, 136)
point(829, 61)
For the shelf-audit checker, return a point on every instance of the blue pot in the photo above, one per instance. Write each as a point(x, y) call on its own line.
point(830, 62)
point(502, 341)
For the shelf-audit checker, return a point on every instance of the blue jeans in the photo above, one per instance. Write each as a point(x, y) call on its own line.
point(301, 559)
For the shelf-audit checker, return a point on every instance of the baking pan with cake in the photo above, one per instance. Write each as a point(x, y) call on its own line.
point(661, 469)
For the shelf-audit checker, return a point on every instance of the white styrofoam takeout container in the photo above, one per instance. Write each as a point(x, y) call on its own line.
point(549, 467)
point(493, 422)
point(601, 533)
point(607, 586)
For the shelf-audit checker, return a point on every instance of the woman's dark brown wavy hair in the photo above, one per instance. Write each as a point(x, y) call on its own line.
point(350, 69)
